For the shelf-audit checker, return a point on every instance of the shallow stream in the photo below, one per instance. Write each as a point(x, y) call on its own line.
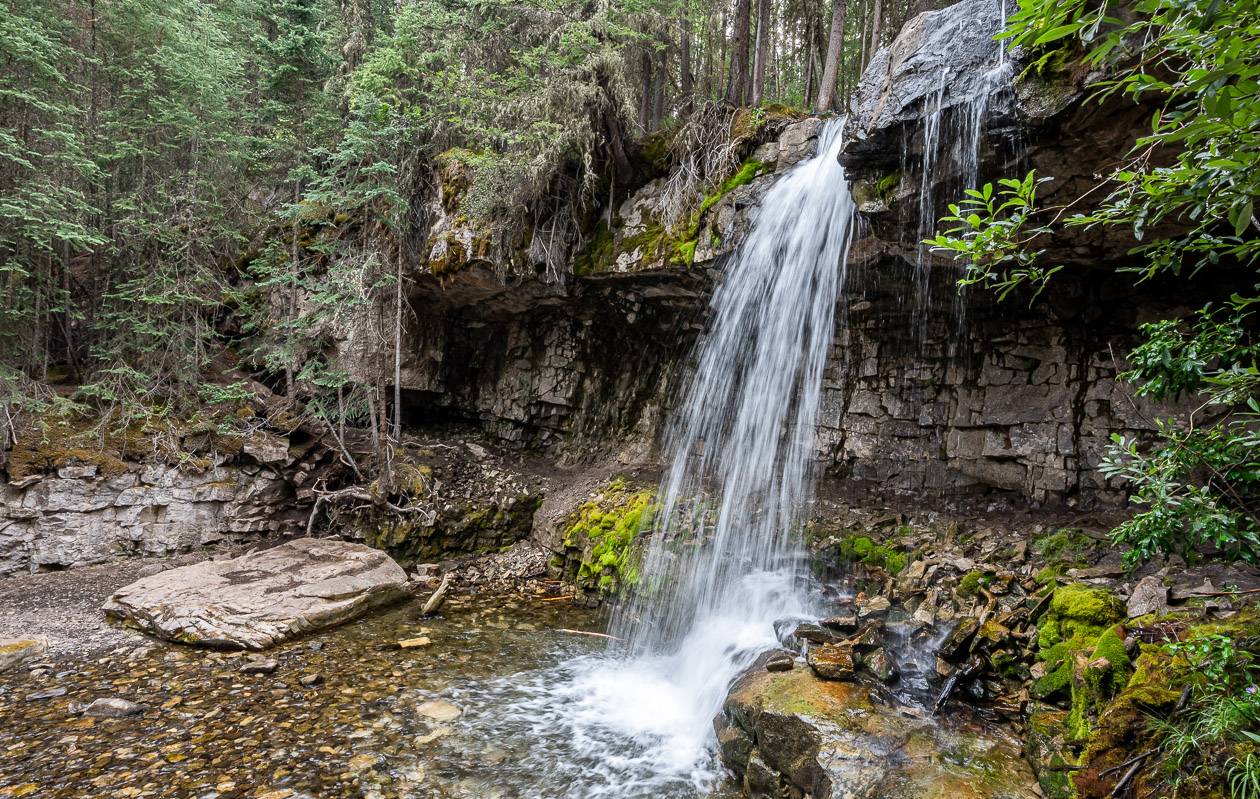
point(543, 714)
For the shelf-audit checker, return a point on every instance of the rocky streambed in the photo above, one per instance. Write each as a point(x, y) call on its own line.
point(348, 712)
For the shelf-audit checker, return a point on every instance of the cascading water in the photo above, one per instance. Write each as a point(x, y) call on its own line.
point(740, 445)
point(724, 563)
point(956, 167)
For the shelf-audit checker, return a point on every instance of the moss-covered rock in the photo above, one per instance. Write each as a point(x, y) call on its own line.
point(788, 734)
point(602, 537)
point(455, 529)
point(863, 549)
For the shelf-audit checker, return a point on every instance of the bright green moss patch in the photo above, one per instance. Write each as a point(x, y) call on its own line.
point(1082, 653)
point(1078, 610)
point(971, 583)
point(685, 253)
point(603, 535)
point(861, 549)
point(743, 176)
point(885, 185)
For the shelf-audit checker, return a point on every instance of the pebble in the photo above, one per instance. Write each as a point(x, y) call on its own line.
point(310, 680)
point(439, 710)
point(49, 693)
point(259, 666)
point(110, 707)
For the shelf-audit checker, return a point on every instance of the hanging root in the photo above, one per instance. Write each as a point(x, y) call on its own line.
point(704, 152)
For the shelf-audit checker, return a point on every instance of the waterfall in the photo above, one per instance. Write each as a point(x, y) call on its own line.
point(740, 444)
point(724, 560)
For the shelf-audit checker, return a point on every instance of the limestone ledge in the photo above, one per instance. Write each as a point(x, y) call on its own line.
point(77, 517)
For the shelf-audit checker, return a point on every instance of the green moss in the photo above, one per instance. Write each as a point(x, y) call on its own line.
point(603, 535)
point(1049, 575)
point(861, 549)
point(598, 253)
point(885, 185)
point(747, 171)
point(1078, 611)
point(1063, 546)
point(685, 253)
point(1078, 629)
point(1111, 646)
point(970, 584)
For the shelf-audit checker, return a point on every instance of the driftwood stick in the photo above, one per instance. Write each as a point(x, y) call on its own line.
point(1127, 778)
point(586, 632)
point(439, 596)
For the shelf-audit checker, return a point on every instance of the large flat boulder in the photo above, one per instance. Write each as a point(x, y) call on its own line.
point(262, 598)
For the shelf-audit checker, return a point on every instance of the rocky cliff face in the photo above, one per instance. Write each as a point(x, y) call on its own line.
point(934, 392)
point(77, 517)
point(927, 391)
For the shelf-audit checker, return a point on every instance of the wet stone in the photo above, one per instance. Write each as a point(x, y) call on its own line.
point(813, 633)
point(881, 665)
point(874, 606)
point(439, 710)
point(110, 707)
point(957, 643)
point(843, 622)
point(259, 666)
point(871, 637)
point(780, 661)
point(48, 693)
point(831, 661)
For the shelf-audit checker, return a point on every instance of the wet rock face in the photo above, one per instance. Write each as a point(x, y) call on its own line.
point(262, 598)
point(464, 499)
point(577, 367)
point(945, 54)
point(78, 516)
point(1024, 400)
point(790, 734)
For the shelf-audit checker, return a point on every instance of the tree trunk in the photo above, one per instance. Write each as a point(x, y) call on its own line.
point(737, 81)
point(762, 52)
point(827, 89)
point(809, 60)
point(719, 35)
point(878, 4)
point(294, 256)
point(645, 97)
point(398, 325)
point(866, 27)
point(685, 84)
point(658, 89)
